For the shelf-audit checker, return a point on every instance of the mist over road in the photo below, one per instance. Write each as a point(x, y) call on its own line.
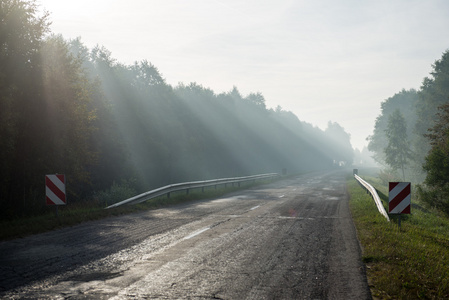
point(292, 239)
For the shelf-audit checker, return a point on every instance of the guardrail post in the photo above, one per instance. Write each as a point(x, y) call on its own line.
point(239, 184)
point(168, 195)
point(187, 191)
point(202, 189)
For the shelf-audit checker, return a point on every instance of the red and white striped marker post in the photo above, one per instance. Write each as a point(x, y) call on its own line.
point(399, 199)
point(55, 189)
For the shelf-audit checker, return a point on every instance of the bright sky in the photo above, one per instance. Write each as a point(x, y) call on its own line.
point(324, 60)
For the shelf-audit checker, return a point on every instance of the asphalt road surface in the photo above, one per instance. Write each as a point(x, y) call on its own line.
point(291, 239)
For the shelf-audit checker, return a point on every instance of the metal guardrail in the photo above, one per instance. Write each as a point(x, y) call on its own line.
point(376, 197)
point(166, 190)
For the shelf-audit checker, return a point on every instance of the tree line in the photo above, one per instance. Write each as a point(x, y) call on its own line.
point(76, 111)
point(411, 136)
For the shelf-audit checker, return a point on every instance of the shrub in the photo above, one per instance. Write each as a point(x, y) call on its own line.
point(116, 193)
point(387, 176)
point(434, 197)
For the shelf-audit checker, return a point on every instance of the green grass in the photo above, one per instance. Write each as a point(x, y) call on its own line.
point(407, 263)
point(77, 213)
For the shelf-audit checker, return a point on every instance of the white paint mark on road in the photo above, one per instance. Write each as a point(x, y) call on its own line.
point(196, 233)
point(281, 196)
point(297, 218)
point(253, 208)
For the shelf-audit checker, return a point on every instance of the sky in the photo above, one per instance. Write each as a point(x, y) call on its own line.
point(323, 60)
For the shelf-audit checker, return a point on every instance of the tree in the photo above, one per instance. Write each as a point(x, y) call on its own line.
point(405, 101)
point(433, 94)
point(339, 144)
point(22, 32)
point(397, 152)
point(437, 161)
point(68, 113)
point(256, 99)
point(112, 164)
point(436, 191)
point(146, 74)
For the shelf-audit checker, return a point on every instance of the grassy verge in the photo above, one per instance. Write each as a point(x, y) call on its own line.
point(410, 263)
point(73, 214)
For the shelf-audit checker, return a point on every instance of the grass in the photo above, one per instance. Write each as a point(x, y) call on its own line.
point(77, 213)
point(407, 263)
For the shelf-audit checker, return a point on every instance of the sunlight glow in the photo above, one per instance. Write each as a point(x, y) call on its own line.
point(296, 53)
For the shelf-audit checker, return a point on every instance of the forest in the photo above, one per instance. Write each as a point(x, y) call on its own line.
point(76, 111)
point(411, 137)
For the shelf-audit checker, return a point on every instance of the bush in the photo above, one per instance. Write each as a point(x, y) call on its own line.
point(434, 197)
point(387, 176)
point(116, 193)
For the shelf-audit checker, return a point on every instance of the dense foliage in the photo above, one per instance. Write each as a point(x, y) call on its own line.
point(397, 152)
point(436, 189)
point(426, 117)
point(404, 102)
point(46, 114)
point(108, 126)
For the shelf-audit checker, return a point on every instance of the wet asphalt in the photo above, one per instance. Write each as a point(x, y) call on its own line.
point(291, 239)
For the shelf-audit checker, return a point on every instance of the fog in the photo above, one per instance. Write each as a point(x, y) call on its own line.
point(70, 107)
point(323, 60)
point(188, 132)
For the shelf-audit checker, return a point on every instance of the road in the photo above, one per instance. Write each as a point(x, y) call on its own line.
point(291, 239)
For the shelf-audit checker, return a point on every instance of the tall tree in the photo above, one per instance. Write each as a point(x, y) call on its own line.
point(22, 31)
point(405, 101)
point(112, 164)
point(68, 113)
point(397, 151)
point(341, 151)
point(433, 94)
point(437, 161)
point(436, 191)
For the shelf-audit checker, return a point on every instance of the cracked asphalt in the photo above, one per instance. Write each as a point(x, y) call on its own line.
point(291, 239)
